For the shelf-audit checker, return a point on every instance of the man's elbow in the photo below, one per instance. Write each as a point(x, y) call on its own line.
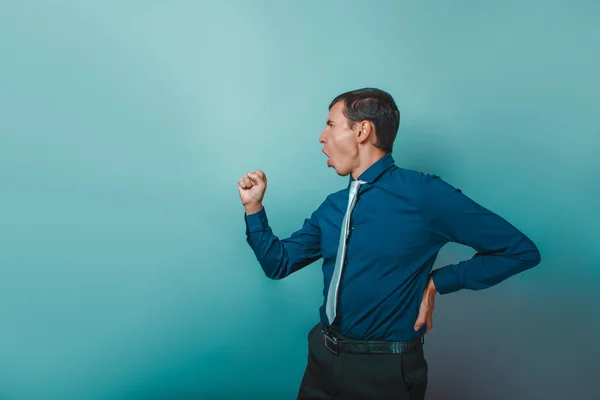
point(277, 269)
point(275, 274)
point(273, 270)
point(530, 258)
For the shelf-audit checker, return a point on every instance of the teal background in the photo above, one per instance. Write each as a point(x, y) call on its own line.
point(125, 125)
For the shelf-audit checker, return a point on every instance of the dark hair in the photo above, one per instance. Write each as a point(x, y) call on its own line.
point(376, 106)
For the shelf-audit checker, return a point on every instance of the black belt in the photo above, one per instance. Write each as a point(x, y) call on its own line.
point(339, 345)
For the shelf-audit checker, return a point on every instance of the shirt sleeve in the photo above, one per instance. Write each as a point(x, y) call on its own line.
point(282, 257)
point(502, 250)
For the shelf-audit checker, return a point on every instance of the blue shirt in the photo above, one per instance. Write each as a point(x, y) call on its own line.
point(401, 220)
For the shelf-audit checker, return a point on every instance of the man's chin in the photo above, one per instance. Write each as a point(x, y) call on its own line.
point(340, 173)
point(330, 165)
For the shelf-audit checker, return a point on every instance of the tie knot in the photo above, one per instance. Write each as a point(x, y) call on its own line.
point(355, 185)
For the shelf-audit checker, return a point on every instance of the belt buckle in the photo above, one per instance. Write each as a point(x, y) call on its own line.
point(334, 348)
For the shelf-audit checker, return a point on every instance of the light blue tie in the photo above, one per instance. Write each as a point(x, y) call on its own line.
point(332, 296)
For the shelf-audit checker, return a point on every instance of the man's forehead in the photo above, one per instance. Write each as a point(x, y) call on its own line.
point(335, 114)
point(334, 119)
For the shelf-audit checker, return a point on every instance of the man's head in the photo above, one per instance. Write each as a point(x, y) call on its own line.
point(361, 128)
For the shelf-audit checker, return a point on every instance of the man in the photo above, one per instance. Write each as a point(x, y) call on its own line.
point(379, 238)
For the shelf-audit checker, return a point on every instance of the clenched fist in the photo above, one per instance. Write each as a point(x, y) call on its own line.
point(252, 187)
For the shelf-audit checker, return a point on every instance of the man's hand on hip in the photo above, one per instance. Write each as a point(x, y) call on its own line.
point(427, 305)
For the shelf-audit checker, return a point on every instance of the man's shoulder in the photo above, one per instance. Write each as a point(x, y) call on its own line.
point(433, 188)
point(425, 185)
point(415, 177)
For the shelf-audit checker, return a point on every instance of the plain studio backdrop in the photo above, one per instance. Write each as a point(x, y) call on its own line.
point(125, 125)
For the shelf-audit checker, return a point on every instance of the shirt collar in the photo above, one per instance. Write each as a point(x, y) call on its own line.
point(372, 173)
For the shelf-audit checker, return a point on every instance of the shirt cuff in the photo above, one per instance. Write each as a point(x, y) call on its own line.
point(445, 280)
point(257, 222)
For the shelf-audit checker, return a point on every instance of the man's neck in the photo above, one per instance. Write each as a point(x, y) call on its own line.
point(367, 161)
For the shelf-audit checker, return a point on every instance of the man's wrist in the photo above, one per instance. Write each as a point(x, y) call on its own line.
point(253, 208)
point(431, 290)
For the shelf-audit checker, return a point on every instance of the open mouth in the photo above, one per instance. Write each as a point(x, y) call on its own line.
point(328, 158)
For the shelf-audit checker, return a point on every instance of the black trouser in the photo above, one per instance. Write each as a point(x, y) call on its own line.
point(344, 376)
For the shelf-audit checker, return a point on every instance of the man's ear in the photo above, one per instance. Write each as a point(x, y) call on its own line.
point(365, 129)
